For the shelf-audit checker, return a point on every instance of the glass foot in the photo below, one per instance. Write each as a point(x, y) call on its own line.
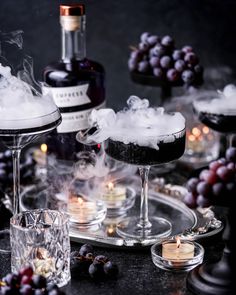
point(160, 228)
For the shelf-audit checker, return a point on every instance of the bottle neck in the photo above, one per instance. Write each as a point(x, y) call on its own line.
point(73, 38)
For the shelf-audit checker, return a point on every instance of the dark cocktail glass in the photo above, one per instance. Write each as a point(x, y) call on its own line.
point(170, 147)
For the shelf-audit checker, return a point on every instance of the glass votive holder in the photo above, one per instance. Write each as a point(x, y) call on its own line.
point(118, 198)
point(85, 212)
point(178, 257)
point(202, 144)
point(40, 238)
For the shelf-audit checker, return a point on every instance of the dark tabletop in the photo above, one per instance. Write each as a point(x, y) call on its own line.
point(138, 274)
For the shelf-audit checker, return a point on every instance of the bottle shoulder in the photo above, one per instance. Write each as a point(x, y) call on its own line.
point(67, 74)
point(74, 66)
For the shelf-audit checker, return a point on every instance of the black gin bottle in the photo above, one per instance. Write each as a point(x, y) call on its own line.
point(76, 84)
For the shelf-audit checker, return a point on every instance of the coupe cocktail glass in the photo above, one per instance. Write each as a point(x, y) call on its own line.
point(170, 147)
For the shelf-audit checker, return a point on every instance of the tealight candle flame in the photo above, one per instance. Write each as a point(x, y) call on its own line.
point(178, 243)
point(196, 131)
point(80, 201)
point(191, 137)
point(44, 147)
point(205, 130)
point(110, 186)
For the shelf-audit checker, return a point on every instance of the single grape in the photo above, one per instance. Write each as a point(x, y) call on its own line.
point(180, 65)
point(231, 166)
point(188, 76)
point(198, 69)
point(157, 72)
point(215, 165)
point(187, 49)
point(177, 55)
point(143, 46)
point(190, 200)
point(203, 174)
point(7, 155)
point(26, 271)
point(231, 188)
point(172, 75)
point(26, 290)
point(144, 36)
point(158, 50)
point(39, 292)
point(165, 62)
point(211, 177)
point(143, 66)
point(167, 41)
point(2, 165)
point(111, 269)
point(203, 202)
point(136, 55)
point(51, 287)
point(231, 154)
point(132, 64)
point(191, 58)
point(224, 173)
point(86, 248)
point(25, 280)
point(39, 282)
point(192, 184)
point(154, 61)
point(204, 188)
point(78, 264)
point(96, 271)
point(218, 189)
point(222, 161)
point(152, 40)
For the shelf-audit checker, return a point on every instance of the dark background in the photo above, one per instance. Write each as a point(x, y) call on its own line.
point(112, 26)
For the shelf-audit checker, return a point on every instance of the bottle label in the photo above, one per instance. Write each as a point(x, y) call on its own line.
point(68, 96)
point(75, 121)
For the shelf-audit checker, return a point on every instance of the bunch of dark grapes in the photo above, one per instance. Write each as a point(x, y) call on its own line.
point(27, 169)
point(25, 282)
point(159, 57)
point(98, 267)
point(216, 185)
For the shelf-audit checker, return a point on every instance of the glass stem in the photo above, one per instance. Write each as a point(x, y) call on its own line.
point(144, 222)
point(229, 139)
point(16, 180)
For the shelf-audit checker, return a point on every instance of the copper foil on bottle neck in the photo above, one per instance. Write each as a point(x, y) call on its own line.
point(72, 10)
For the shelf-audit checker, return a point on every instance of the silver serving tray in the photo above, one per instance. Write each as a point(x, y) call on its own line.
point(167, 203)
point(186, 223)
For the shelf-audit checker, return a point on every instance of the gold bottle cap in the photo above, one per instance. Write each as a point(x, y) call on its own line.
point(72, 9)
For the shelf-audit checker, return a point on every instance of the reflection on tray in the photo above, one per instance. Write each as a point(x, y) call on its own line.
point(186, 223)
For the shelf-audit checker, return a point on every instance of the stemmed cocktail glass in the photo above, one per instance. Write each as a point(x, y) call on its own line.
point(25, 115)
point(142, 136)
point(143, 228)
point(218, 113)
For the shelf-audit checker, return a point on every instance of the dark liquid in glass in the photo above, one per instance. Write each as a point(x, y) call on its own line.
point(219, 122)
point(142, 156)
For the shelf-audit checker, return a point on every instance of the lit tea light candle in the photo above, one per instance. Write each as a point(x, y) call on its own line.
point(175, 250)
point(81, 210)
point(111, 230)
point(43, 264)
point(114, 192)
point(40, 155)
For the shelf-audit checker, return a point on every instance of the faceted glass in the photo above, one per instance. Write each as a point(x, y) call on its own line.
point(40, 238)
